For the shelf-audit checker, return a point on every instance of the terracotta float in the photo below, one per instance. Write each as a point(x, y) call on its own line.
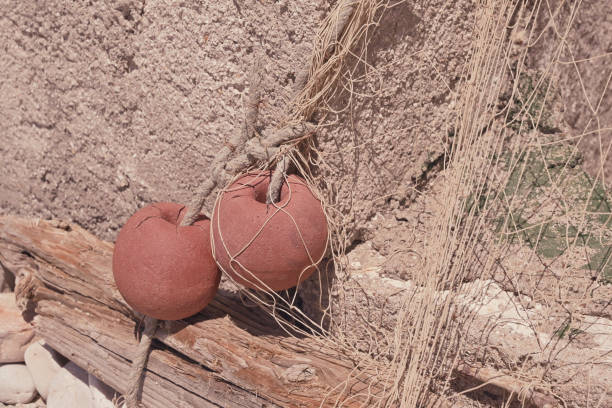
point(264, 247)
point(162, 269)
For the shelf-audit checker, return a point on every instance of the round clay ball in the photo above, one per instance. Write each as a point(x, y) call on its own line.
point(268, 246)
point(162, 269)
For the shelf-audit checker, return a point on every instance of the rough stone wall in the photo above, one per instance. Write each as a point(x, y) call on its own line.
point(584, 71)
point(398, 124)
point(106, 106)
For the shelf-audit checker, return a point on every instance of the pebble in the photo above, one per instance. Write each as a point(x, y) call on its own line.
point(15, 333)
point(101, 393)
point(70, 389)
point(44, 364)
point(16, 384)
point(37, 403)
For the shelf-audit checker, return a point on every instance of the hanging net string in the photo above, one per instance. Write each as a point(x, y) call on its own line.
point(331, 31)
point(345, 27)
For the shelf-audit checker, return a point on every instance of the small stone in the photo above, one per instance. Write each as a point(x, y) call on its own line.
point(16, 384)
point(15, 333)
point(121, 181)
point(44, 364)
point(102, 394)
point(70, 389)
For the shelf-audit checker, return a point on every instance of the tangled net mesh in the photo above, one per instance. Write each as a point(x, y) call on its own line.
point(344, 30)
point(274, 302)
point(488, 220)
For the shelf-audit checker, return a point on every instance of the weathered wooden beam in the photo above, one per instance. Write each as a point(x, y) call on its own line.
point(228, 355)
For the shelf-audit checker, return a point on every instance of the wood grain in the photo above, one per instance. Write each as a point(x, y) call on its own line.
point(228, 355)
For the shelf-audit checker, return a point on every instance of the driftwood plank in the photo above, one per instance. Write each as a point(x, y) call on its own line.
point(229, 355)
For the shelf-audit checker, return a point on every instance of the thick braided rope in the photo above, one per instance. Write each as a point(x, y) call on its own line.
point(193, 212)
point(139, 363)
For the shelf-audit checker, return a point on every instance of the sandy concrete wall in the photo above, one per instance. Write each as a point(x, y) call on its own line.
point(108, 105)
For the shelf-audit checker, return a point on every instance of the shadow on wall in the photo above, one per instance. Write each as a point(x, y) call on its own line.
point(397, 25)
point(584, 70)
point(390, 118)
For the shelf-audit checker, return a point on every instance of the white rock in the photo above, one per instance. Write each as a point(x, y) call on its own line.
point(69, 389)
point(15, 333)
point(16, 384)
point(101, 393)
point(44, 363)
